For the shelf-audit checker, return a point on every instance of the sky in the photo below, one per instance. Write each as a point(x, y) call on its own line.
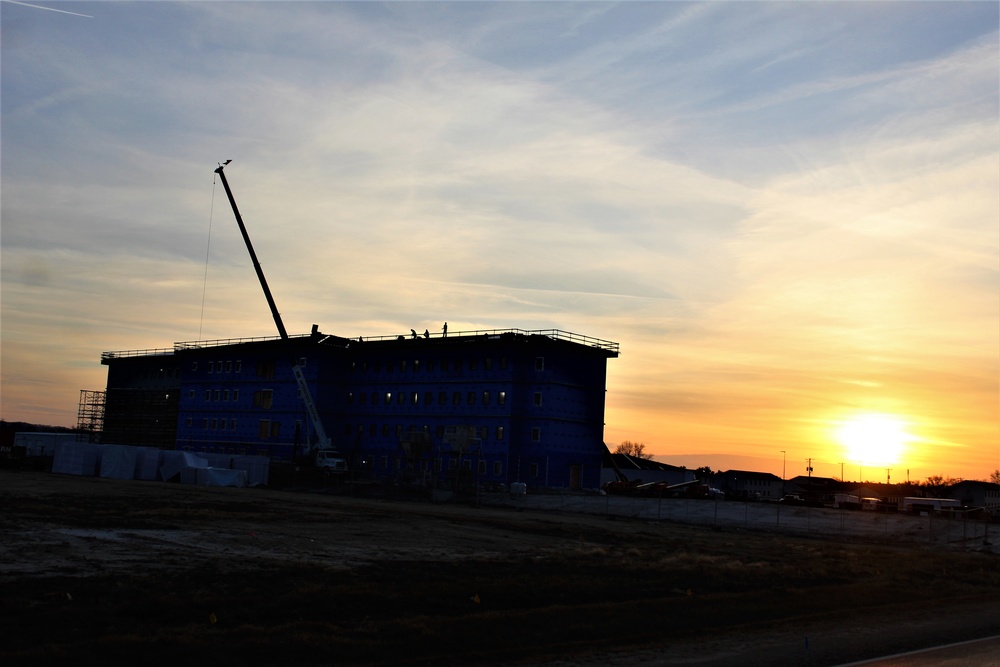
point(787, 214)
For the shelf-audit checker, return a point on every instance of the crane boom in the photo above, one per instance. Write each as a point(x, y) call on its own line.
point(300, 379)
point(253, 255)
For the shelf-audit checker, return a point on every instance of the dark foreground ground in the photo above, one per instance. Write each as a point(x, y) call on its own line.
point(101, 571)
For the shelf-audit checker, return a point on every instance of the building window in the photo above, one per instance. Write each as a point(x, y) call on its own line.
point(232, 424)
point(229, 367)
point(472, 398)
point(264, 429)
point(499, 432)
point(400, 398)
point(536, 434)
point(388, 398)
point(204, 423)
point(191, 393)
point(428, 398)
point(302, 362)
point(222, 424)
point(350, 398)
point(456, 398)
point(218, 394)
point(488, 364)
point(458, 365)
point(538, 398)
point(481, 468)
point(539, 363)
point(486, 398)
point(402, 365)
point(262, 398)
point(416, 365)
point(374, 398)
point(265, 369)
point(503, 363)
point(208, 395)
point(187, 422)
point(467, 465)
point(533, 470)
point(225, 394)
point(497, 468)
point(194, 365)
point(416, 398)
point(442, 397)
point(385, 430)
point(236, 395)
point(239, 365)
point(372, 430)
point(384, 462)
point(211, 364)
point(215, 424)
point(501, 398)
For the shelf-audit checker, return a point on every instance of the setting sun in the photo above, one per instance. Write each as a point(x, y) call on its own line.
point(873, 439)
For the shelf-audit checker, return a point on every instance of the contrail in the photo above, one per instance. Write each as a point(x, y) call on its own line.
point(61, 11)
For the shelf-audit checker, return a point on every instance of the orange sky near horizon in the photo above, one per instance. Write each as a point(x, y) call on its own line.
point(787, 214)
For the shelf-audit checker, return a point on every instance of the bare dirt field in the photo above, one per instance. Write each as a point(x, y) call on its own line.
point(95, 570)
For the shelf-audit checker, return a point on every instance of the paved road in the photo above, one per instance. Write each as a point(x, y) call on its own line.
point(976, 653)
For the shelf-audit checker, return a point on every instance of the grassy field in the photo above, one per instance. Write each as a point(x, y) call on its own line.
point(95, 570)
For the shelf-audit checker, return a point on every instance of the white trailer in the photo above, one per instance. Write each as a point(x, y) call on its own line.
point(913, 505)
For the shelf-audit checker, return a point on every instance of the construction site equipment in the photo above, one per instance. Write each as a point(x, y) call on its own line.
point(307, 399)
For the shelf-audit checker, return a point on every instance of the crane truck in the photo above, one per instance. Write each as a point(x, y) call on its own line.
point(323, 454)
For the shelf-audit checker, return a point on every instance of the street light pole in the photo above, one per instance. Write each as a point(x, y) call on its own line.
point(782, 473)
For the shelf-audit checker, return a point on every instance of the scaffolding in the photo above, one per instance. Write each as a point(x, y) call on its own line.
point(90, 415)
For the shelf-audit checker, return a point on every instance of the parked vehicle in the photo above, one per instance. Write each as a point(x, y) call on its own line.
point(330, 462)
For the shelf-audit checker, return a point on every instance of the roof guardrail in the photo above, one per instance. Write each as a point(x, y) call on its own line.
point(555, 334)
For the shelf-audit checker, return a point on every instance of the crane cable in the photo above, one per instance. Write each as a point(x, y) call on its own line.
point(208, 248)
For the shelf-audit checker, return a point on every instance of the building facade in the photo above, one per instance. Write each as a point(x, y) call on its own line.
point(497, 406)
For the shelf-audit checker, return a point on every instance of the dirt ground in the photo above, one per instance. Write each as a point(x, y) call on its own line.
point(95, 570)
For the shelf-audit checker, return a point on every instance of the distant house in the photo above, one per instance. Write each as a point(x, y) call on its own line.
point(749, 485)
point(818, 489)
point(978, 494)
point(892, 495)
point(643, 470)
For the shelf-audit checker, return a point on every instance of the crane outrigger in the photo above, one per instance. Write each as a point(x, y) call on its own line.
point(317, 424)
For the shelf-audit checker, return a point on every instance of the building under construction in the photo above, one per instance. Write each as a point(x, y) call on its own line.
point(499, 406)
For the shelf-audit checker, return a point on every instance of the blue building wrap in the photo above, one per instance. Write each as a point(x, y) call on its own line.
point(483, 407)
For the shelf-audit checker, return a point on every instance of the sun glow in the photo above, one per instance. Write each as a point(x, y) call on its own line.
point(873, 439)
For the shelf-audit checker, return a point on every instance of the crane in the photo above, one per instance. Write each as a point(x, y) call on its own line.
point(324, 441)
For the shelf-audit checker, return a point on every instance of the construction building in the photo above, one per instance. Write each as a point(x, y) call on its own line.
point(489, 407)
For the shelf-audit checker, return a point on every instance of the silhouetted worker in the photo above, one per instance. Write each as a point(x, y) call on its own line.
point(413, 334)
point(444, 329)
point(427, 334)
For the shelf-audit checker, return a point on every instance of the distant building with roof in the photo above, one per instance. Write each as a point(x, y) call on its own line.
point(750, 485)
point(638, 469)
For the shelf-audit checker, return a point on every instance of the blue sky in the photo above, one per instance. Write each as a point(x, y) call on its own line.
point(786, 213)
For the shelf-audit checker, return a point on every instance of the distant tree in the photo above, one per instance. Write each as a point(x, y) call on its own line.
point(995, 476)
point(703, 473)
point(937, 486)
point(636, 449)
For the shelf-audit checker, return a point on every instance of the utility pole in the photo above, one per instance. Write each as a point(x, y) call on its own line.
point(841, 471)
point(887, 471)
point(809, 472)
